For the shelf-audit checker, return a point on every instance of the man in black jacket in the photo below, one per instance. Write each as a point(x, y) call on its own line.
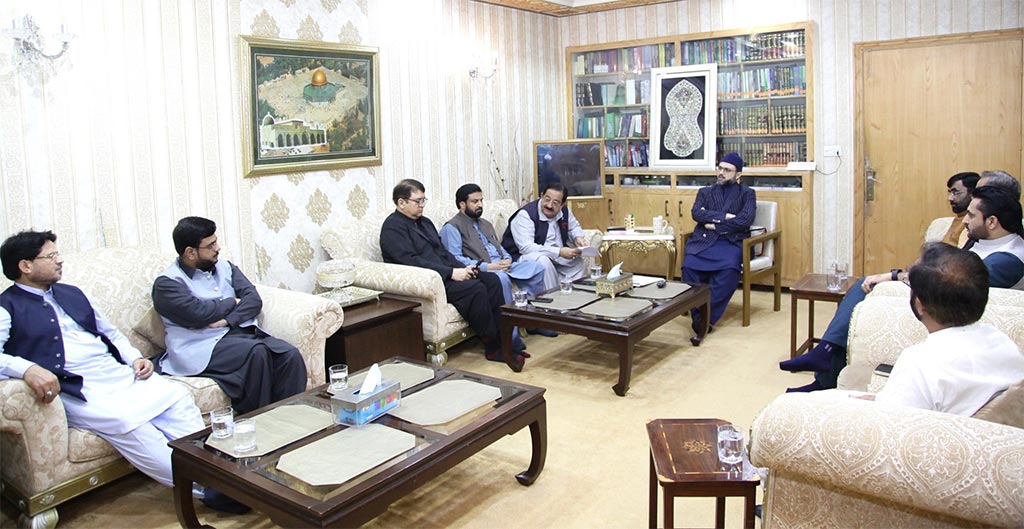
point(409, 238)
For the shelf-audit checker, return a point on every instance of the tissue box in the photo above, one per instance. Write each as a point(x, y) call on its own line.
point(613, 287)
point(353, 408)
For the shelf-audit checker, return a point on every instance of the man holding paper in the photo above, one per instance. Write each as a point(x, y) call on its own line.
point(546, 232)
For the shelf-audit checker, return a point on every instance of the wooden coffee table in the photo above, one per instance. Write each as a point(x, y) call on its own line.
point(812, 287)
point(684, 461)
point(622, 334)
point(290, 502)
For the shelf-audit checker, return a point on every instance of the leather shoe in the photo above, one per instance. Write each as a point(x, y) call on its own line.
point(221, 502)
point(518, 361)
point(543, 332)
point(817, 359)
point(813, 386)
point(695, 325)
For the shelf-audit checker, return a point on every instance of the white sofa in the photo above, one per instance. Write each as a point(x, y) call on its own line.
point(836, 461)
point(44, 462)
point(359, 241)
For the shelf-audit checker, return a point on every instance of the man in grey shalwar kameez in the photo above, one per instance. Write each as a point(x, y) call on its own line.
point(209, 309)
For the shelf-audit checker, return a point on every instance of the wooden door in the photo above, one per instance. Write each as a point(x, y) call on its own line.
point(926, 109)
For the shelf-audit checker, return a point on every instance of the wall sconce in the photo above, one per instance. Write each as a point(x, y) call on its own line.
point(30, 50)
point(480, 70)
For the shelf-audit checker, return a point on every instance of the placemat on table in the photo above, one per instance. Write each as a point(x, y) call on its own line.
point(278, 427)
point(407, 375)
point(571, 301)
point(618, 308)
point(670, 290)
point(445, 402)
point(342, 456)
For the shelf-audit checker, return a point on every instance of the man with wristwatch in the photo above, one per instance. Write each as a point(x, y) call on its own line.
point(993, 223)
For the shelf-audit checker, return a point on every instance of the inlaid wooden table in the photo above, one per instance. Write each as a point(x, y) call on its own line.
point(290, 502)
point(812, 287)
point(623, 334)
point(684, 461)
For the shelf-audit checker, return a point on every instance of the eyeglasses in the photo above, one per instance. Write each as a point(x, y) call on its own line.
point(957, 192)
point(420, 201)
point(50, 256)
point(726, 169)
point(211, 246)
point(553, 201)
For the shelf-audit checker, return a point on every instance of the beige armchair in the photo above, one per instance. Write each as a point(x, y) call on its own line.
point(44, 462)
point(837, 462)
point(359, 241)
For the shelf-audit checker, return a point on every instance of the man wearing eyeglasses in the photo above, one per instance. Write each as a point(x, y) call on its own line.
point(209, 309)
point(59, 343)
point(408, 238)
point(546, 232)
point(713, 256)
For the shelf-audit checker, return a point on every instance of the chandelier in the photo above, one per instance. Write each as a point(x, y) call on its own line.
point(33, 53)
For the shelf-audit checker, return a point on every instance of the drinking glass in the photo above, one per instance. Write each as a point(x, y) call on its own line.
point(595, 271)
point(519, 298)
point(339, 377)
point(730, 444)
point(832, 281)
point(565, 285)
point(841, 271)
point(245, 435)
point(222, 420)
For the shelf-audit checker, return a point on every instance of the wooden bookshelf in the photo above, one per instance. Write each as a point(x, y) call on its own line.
point(765, 92)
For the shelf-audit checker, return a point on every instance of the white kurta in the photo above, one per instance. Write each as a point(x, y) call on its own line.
point(116, 402)
point(955, 370)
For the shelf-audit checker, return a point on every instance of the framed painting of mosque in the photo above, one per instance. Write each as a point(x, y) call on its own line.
point(308, 106)
point(684, 112)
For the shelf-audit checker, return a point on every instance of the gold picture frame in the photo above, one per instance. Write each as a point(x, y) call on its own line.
point(308, 106)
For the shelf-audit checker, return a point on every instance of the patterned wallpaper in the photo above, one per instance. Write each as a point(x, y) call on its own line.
point(436, 122)
point(838, 25)
point(140, 125)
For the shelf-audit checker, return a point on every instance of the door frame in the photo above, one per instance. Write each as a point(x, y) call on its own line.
point(859, 50)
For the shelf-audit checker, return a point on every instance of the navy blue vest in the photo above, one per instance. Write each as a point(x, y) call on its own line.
point(540, 228)
point(36, 334)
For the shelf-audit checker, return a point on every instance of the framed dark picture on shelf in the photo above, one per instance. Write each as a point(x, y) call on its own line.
point(578, 164)
point(684, 112)
point(308, 106)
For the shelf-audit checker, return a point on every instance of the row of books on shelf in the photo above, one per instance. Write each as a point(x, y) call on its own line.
point(770, 153)
point(730, 50)
point(630, 92)
point(766, 81)
point(613, 125)
point(760, 119)
point(622, 155)
point(634, 59)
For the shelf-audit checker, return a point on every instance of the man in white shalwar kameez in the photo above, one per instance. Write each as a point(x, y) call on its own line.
point(66, 345)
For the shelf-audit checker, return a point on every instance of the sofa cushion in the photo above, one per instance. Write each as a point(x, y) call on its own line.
point(84, 445)
point(206, 393)
point(1005, 407)
point(151, 327)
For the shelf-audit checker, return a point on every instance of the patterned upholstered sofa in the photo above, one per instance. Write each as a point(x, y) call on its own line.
point(836, 461)
point(44, 461)
point(359, 241)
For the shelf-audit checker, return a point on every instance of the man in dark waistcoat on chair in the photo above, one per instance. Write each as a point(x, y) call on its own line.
point(59, 343)
point(209, 309)
point(724, 213)
point(408, 238)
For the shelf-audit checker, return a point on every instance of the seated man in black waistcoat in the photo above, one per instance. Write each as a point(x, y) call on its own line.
point(409, 238)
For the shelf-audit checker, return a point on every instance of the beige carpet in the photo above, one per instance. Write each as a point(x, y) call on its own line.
point(597, 463)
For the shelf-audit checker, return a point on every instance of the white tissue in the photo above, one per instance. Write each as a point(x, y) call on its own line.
point(371, 381)
point(615, 272)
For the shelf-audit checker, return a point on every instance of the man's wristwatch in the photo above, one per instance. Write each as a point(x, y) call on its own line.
point(896, 274)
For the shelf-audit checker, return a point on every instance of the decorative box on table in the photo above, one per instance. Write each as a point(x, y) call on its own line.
point(351, 407)
point(613, 287)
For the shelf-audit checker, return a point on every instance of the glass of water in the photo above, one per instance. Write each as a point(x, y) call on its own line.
point(595, 271)
point(338, 374)
point(832, 281)
point(245, 435)
point(222, 421)
point(565, 285)
point(519, 297)
point(730, 444)
point(841, 271)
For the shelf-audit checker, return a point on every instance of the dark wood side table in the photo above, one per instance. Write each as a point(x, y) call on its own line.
point(684, 461)
point(812, 287)
point(374, 331)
